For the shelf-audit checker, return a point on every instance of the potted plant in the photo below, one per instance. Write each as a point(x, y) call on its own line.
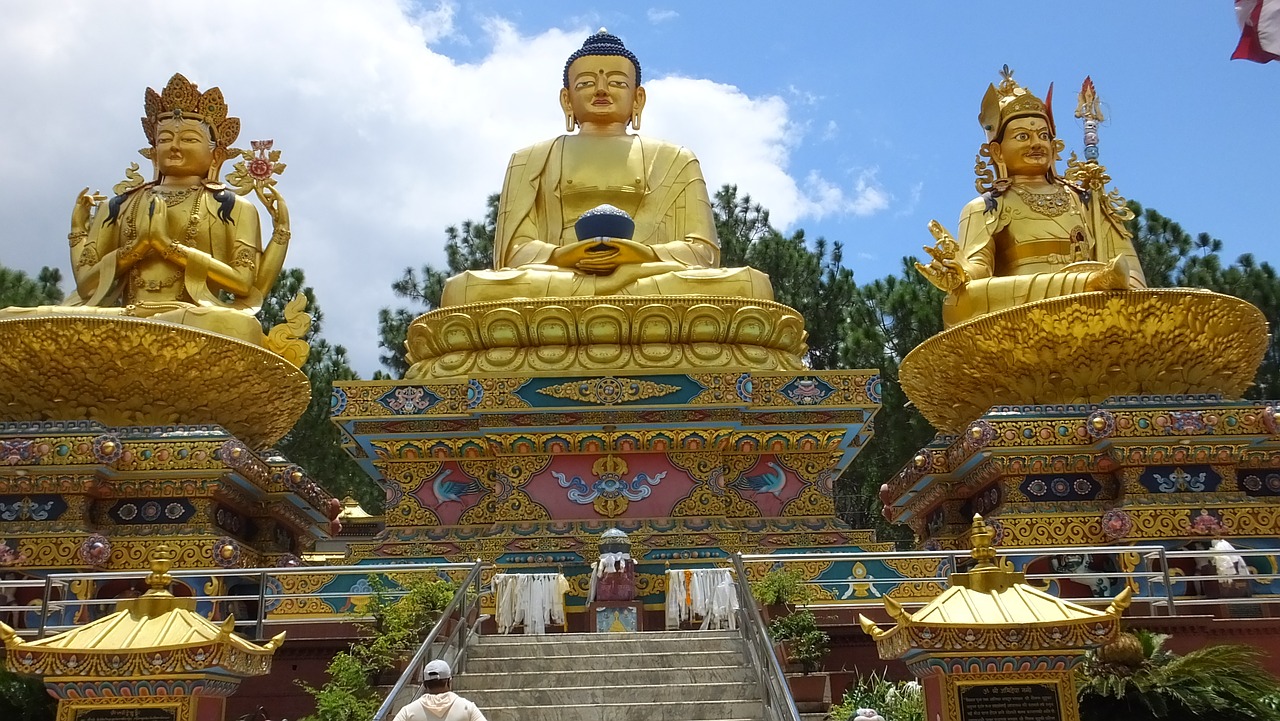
point(806, 646)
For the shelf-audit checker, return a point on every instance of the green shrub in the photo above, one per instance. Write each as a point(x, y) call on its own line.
point(806, 644)
point(894, 700)
point(347, 695)
point(400, 622)
point(781, 586)
point(24, 698)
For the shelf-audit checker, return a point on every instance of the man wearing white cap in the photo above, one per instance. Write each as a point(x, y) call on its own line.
point(439, 703)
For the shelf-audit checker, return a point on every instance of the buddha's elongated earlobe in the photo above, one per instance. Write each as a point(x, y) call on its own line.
point(570, 122)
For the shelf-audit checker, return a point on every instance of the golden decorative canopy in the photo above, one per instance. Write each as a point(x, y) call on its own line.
point(152, 635)
point(991, 608)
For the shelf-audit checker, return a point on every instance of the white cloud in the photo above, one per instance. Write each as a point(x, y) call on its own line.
point(869, 197)
point(831, 130)
point(804, 97)
point(657, 15)
point(387, 139)
point(912, 201)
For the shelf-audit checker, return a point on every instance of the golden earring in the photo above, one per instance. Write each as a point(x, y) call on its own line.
point(570, 123)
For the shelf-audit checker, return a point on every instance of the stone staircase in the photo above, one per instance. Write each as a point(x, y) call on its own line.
point(650, 676)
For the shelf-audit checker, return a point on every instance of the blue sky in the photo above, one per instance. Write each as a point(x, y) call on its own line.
point(855, 121)
point(894, 87)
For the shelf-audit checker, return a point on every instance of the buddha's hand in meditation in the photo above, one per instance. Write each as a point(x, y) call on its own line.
point(602, 257)
point(944, 271)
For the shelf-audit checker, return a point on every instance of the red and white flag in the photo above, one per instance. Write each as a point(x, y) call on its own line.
point(1259, 30)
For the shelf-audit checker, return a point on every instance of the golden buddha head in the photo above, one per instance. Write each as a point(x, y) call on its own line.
point(180, 118)
point(183, 147)
point(602, 84)
point(1021, 137)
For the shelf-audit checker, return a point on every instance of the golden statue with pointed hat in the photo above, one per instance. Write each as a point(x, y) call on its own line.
point(1046, 302)
point(1029, 235)
point(183, 247)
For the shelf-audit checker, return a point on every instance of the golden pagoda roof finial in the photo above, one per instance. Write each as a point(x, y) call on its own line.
point(161, 561)
point(981, 536)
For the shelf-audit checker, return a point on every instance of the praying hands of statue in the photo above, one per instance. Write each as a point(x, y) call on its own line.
point(602, 256)
point(153, 233)
point(943, 271)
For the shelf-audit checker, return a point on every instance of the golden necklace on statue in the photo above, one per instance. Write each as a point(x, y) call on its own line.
point(137, 281)
point(1050, 204)
point(173, 197)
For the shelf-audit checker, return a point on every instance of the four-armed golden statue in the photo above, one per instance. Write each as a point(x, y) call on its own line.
point(1029, 235)
point(161, 327)
point(184, 247)
point(551, 184)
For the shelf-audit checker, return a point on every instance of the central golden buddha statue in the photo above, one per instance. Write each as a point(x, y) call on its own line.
point(550, 185)
point(560, 299)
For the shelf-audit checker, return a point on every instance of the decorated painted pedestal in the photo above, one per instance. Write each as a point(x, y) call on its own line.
point(531, 469)
point(1103, 418)
point(1177, 471)
point(79, 495)
point(154, 659)
point(993, 648)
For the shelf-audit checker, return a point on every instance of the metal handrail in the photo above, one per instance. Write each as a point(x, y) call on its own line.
point(458, 637)
point(1160, 582)
point(775, 694)
point(262, 574)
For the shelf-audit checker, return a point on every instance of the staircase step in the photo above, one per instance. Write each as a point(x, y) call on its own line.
point(592, 695)
point(594, 645)
point(622, 636)
point(652, 711)
point(530, 677)
point(477, 663)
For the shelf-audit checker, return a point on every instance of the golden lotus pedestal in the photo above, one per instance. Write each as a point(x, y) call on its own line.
point(135, 372)
point(530, 427)
point(609, 334)
point(1086, 348)
point(120, 433)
